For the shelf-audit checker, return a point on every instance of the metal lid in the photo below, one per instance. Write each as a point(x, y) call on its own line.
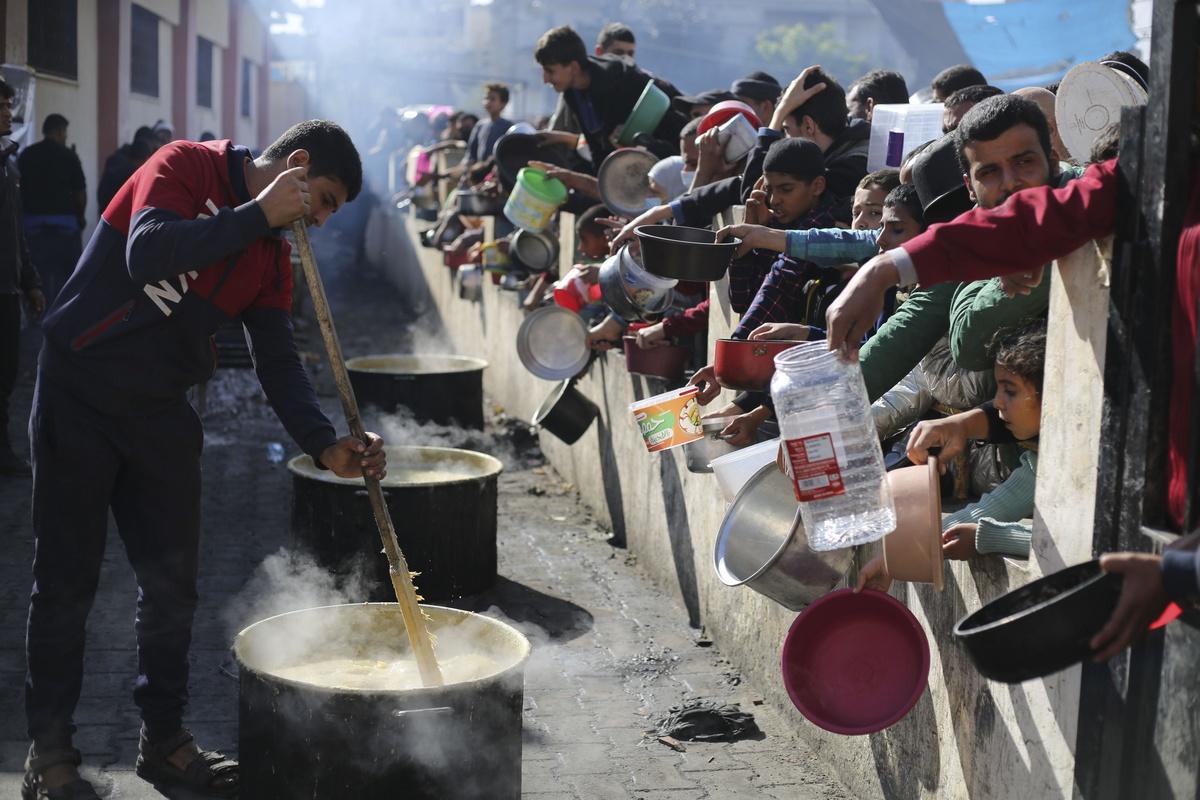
point(552, 343)
point(624, 180)
point(1089, 99)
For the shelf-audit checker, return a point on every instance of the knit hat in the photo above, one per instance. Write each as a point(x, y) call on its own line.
point(800, 158)
point(757, 86)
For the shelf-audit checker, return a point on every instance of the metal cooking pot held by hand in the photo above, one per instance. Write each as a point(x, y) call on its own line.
point(566, 412)
point(688, 254)
point(762, 544)
point(746, 365)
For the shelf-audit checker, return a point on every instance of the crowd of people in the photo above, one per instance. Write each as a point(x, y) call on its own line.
point(951, 356)
point(929, 273)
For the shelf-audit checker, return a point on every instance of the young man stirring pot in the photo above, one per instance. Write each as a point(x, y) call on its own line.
point(191, 240)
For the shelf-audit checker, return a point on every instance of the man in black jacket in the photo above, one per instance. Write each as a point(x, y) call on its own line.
point(17, 277)
point(54, 199)
point(601, 91)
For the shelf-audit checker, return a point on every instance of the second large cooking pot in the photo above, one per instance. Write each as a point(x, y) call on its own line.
point(442, 502)
point(762, 545)
point(688, 254)
point(435, 388)
point(746, 365)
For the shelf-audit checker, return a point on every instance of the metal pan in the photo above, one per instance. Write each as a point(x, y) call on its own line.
point(552, 343)
point(566, 413)
point(624, 180)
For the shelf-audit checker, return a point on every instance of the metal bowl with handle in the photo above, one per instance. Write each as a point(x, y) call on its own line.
point(702, 452)
point(1041, 627)
point(624, 182)
point(566, 412)
point(537, 251)
point(762, 545)
point(688, 254)
point(746, 365)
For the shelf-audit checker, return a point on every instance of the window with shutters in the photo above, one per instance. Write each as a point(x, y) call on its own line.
point(53, 37)
point(143, 54)
point(204, 72)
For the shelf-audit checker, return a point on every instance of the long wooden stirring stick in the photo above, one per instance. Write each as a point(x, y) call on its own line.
point(406, 593)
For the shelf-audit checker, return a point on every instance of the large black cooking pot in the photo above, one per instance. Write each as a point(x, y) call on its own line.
point(1043, 626)
point(443, 389)
point(566, 412)
point(689, 254)
point(442, 503)
point(461, 741)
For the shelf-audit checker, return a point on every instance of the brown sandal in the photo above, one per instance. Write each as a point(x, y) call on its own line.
point(32, 787)
point(210, 773)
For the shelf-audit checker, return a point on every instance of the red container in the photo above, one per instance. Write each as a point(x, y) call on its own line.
point(748, 364)
point(455, 258)
point(855, 663)
point(666, 361)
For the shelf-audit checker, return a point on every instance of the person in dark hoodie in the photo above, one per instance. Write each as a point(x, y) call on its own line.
point(123, 163)
point(601, 91)
point(812, 107)
point(191, 239)
point(18, 279)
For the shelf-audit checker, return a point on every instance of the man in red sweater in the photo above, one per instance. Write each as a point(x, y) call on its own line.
point(1033, 227)
point(190, 240)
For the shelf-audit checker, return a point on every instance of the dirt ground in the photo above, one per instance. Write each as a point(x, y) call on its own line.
point(612, 652)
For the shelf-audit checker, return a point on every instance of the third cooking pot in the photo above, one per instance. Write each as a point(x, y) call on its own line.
point(746, 365)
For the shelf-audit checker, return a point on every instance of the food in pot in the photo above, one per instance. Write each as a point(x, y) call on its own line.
point(386, 672)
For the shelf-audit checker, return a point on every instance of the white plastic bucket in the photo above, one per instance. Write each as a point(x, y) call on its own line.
point(734, 469)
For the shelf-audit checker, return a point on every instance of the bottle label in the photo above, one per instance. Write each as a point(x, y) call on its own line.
point(815, 471)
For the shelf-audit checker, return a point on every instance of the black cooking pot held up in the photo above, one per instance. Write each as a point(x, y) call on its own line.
point(442, 503)
point(566, 412)
point(447, 390)
point(688, 254)
point(1042, 627)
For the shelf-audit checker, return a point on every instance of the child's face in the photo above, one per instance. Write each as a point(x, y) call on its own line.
point(1019, 404)
point(790, 198)
point(898, 226)
point(592, 244)
point(867, 208)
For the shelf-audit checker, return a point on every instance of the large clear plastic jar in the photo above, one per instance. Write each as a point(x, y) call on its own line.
point(833, 452)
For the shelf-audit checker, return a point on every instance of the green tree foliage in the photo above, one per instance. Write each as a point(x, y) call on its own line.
point(797, 46)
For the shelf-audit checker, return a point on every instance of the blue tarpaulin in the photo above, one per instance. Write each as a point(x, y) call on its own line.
point(1033, 42)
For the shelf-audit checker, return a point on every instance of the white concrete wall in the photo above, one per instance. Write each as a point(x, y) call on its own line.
point(74, 99)
point(137, 109)
point(966, 738)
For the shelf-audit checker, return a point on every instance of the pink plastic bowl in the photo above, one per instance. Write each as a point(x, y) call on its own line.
point(855, 663)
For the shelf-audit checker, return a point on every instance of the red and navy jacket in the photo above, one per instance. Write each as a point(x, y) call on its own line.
point(181, 248)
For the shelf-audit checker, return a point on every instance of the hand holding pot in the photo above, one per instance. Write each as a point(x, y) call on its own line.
point(781, 330)
point(1142, 599)
point(958, 543)
point(742, 430)
point(948, 436)
point(706, 379)
point(873, 575)
point(349, 457)
point(754, 237)
point(652, 336)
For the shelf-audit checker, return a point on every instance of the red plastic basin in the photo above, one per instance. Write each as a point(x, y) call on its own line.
point(747, 365)
point(855, 663)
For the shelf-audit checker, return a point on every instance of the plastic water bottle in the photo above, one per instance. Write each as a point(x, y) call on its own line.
point(833, 452)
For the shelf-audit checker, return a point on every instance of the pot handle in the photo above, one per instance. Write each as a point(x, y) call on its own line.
point(436, 710)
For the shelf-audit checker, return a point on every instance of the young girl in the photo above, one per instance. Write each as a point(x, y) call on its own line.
point(993, 525)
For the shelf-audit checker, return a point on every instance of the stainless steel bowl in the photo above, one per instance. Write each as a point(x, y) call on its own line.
point(552, 343)
point(537, 251)
point(762, 545)
point(701, 452)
